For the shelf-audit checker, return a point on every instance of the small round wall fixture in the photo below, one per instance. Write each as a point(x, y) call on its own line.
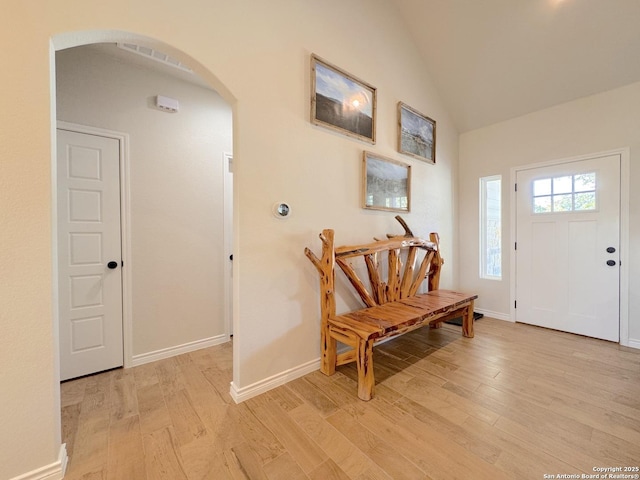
point(281, 210)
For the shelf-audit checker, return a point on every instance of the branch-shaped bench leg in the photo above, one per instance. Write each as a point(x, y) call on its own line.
point(366, 380)
point(329, 352)
point(326, 268)
point(467, 321)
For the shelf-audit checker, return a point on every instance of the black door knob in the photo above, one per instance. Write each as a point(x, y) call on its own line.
point(611, 250)
point(112, 265)
point(611, 263)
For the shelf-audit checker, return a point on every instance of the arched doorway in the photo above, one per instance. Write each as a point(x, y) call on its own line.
point(138, 354)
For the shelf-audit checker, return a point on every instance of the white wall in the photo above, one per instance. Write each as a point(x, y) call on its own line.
point(256, 54)
point(176, 184)
point(603, 122)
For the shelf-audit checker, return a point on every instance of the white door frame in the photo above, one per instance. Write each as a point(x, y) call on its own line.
point(125, 226)
point(624, 232)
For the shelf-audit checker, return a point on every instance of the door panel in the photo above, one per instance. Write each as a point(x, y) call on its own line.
point(90, 293)
point(563, 280)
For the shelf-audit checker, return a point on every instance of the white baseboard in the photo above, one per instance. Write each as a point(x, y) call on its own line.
point(178, 350)
point(633, 343)
point(497, 315)
point(245, 393)
point(53, 471)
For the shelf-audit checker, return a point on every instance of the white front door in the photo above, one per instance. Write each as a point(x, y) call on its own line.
point(567, 247)
point(89, 254)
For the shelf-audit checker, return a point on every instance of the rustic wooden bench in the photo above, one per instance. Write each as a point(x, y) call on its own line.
point(393, 305)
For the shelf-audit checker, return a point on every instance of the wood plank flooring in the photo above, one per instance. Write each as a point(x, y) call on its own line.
point(515, 402)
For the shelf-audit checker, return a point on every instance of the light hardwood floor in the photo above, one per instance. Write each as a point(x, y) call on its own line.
point(515, 402)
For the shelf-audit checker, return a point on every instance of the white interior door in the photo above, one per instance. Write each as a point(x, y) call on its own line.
point(228, 239)
point(89, 254)
point(567, 249)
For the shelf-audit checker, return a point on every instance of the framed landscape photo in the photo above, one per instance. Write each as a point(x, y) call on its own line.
point(416, 134)
point(386, 184)
point(342, 102)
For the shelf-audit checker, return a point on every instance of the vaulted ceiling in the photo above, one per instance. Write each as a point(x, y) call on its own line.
point(493, 60)
point(497, 59)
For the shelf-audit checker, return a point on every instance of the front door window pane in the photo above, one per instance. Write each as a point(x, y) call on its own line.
point(542, 187)
point(585, 182)
point(562, 203)
point(542, 204)
point(566, 193)
point(562, 185)
point(585, 201)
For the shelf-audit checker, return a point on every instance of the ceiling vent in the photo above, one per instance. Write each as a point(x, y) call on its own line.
point(155, 55)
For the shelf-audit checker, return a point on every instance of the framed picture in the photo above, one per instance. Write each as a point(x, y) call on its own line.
point(342, 102)
point(386, 183)
point(416, 134)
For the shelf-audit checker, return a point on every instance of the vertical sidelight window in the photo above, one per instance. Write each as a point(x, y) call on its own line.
point(491, 227)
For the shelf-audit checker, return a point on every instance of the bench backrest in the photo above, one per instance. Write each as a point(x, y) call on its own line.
point(393, 267)
point(389, 279)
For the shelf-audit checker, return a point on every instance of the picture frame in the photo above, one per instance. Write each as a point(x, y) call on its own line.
point(342, 102)
point(386, 183)
point(416, 134)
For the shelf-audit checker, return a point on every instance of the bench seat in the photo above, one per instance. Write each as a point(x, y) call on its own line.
point(404, 315)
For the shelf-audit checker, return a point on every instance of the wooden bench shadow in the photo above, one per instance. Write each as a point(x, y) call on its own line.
point(400, 353)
